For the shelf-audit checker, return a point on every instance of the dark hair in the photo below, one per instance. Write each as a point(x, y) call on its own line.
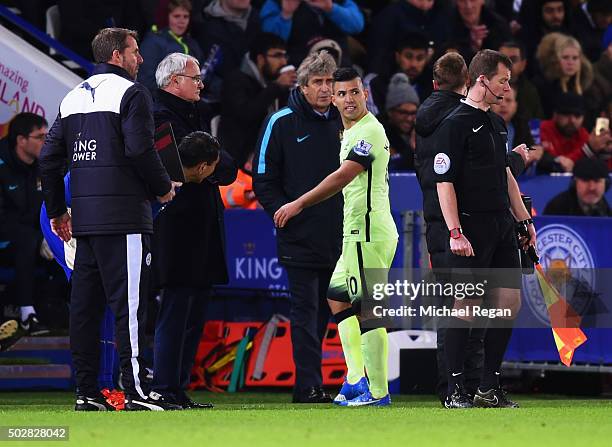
point(515, 44)
point(22, 124)
point(198, 147)
point(414, 40)
point(485, 63)
point(450, 71)
point(345, 74)
point(264, 42)
point(173, 4)
point(108, 40)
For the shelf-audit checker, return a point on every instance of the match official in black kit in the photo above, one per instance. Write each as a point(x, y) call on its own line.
point(450, 81)
point(480, 203)
point(105, 130)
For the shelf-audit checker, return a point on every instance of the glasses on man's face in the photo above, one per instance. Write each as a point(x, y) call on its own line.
point(39, 137)
point(278, 55)
point(197, 79)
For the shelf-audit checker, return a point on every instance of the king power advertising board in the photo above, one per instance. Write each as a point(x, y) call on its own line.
point(30, 81)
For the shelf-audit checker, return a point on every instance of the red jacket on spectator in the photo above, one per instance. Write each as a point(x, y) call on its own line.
point(559, 144)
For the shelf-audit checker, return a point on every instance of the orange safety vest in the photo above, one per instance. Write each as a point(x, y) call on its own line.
point(234, 195)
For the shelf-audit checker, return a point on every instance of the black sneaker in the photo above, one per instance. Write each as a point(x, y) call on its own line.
point(10, 334)
point(312, 395)
point(84, 403)
point(324, 395)
point(459, 399)
point(32, 327)
point(154, 402)
point(189, 404)
point(494, 398)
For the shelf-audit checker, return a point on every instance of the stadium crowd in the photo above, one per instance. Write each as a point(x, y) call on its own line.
point(557, 47)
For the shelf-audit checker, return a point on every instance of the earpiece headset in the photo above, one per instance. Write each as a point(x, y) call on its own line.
point(499, 98)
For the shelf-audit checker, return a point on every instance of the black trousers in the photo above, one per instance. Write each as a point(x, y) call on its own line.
point(309, 314)
point(474, 356)
point(178, 330)
point(493, 239)
point(111, 269)
point(23, 253)
point(472, 365)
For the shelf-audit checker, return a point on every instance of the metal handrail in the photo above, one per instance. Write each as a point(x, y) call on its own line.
point(45, 39)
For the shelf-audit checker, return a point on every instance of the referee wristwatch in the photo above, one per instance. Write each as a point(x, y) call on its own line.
point(456, 233)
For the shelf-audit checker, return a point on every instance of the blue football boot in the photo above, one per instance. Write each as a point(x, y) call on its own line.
point(367, 399)
point(348, 391)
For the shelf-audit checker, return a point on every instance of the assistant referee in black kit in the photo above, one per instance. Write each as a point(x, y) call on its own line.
point(480, 202)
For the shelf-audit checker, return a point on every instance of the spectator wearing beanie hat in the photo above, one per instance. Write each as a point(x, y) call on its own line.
point(585, 196)
point(563, 136)
point(331, 46)
point(401, 105)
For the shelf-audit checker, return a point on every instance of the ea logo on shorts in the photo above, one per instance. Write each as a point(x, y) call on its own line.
point(148, 259)
point(441, 163)
point(562, 253)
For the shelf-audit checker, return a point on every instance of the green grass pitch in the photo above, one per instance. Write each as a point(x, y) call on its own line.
point(267, 419)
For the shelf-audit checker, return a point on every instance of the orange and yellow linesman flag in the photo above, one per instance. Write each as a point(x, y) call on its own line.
point(564, 320)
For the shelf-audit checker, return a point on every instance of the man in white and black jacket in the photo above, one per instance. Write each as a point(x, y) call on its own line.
point(105, 130)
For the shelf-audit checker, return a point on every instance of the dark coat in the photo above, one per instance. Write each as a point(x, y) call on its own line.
point(189, 237)
point(244, 106)
point(402, 153)
point(499, 32)
point(533, 29)
point(528, 99)
point(20, 192)
point(430, 115)
point(115, 170)
point(297, 149)
point(157, 45)
point(185, 116)
point(232, 40)
point(590, 37)
point(397, 19)
point(566, 204)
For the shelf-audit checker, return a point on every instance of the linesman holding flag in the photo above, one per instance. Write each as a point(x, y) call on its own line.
point(480, 201)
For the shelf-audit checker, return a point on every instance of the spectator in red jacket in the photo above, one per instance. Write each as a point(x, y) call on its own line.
point(564, 137)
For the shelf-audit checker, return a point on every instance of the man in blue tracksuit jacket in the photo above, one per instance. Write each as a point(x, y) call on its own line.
point(105, 129)
point(298, 147)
